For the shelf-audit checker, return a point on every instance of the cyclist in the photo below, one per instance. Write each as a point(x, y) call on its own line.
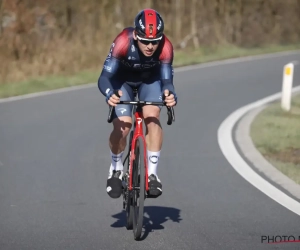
point(139, 57)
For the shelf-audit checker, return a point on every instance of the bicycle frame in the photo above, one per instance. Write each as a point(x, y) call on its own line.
point(138, 132)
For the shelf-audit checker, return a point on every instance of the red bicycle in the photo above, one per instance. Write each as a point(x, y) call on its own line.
point(135, 179)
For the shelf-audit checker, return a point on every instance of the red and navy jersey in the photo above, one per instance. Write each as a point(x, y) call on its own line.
point(125, 61)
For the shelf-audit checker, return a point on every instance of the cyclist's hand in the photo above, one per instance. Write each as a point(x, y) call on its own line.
point(114, 99)
point(169, 99)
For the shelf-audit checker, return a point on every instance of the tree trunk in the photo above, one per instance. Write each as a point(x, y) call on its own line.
point(178, 20)
point(1, 13)
point(194, 23)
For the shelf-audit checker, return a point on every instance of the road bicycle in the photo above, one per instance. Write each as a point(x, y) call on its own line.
point(135, 178)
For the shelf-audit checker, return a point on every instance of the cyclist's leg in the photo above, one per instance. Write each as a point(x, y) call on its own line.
point(117, 140)
point(121, 120)
point(154, 134)
point(152, 92)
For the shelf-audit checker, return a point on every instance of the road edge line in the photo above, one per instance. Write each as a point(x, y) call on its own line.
point(258, 161)
point(229, 150)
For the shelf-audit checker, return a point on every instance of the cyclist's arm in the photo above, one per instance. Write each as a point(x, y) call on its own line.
point(110, 69)
point(112, 63)
point(166, 76)
point(166, 67)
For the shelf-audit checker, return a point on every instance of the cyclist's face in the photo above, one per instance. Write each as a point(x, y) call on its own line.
point(146, 47)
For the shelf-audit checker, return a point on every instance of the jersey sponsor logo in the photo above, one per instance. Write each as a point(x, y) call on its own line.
point(110, 52)
point(140, 66)
point(108, 57)
point(132, 48)
point(112, 47)
point(143, 66)
point(127, 64)
point(147, 66)
point(107, 68)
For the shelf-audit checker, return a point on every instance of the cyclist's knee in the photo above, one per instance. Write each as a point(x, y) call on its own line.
point(122, 125)
point(151, 117)
point(150, 112)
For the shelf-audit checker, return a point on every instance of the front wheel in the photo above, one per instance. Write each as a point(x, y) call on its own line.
point(138, 192)
point(128, 194)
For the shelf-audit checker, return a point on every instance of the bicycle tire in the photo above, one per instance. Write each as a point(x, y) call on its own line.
point(129, 212)
point(138, 179)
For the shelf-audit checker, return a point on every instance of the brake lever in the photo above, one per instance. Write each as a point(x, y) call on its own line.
point(111, 108)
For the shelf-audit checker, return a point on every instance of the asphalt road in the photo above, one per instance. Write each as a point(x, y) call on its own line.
point(54, 161)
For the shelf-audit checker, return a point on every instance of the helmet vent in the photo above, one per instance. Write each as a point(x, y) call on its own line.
point(151, 28)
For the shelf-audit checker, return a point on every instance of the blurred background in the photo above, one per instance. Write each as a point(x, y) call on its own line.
point(40, 38)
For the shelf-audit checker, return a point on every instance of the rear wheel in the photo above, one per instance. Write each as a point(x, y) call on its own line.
point(138, 192)
point(129, 213)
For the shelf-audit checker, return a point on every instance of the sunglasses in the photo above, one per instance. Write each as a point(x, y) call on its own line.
point(148, 41)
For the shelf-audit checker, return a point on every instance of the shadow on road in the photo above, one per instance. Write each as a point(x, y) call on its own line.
point(154, 217)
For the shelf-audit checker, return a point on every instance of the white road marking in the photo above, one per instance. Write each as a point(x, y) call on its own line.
point(44, 93)
point(225, 139)
point(179, 69)
point(1, 164)
point(236, 60)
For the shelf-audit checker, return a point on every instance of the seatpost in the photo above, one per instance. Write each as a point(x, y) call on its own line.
point(135, 91)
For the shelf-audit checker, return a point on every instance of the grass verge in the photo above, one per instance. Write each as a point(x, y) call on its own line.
point(182, 58)
point(276, 134)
